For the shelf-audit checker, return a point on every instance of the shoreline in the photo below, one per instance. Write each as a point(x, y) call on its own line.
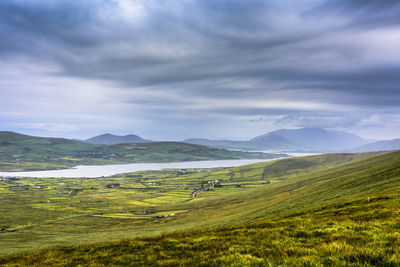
point(273, 156)
point(98, 171)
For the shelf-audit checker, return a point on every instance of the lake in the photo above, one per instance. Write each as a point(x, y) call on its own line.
point(95, 171)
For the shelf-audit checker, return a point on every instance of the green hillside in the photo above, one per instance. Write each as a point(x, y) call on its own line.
point(22, 152)
point(354, 233)
point(289, 200)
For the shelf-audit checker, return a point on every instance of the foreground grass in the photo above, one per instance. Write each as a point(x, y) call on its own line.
point(356, 233)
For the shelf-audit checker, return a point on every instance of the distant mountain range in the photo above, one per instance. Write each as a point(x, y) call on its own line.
point(19, 152)
point(283, 140)
point(24, 152)
point(304, 139)
point(110, 139)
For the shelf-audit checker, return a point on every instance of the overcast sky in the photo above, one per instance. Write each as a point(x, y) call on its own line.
point(169, 70)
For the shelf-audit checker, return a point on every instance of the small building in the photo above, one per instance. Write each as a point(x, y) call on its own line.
point(113, 185)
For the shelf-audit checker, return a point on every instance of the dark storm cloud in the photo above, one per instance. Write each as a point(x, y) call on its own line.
point(26, 26)
point(196, 40)
point(212, 55)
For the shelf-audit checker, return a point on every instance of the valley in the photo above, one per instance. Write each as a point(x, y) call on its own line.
point(179, 204)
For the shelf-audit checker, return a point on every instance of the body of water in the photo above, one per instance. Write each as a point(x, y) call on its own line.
point(95, 171)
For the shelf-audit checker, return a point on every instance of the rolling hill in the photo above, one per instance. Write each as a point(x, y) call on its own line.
point(10, 138)
point(22, 152)
point(110, 139)
point(393, 144)
point(333, 209)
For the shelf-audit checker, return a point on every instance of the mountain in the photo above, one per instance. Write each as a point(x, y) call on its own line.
point(393, 144)
point(304, 139)
point(110, 139)
point(316, 138)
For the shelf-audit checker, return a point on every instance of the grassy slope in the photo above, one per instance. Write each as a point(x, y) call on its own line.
point(354, 233)
point(22, 152)
point(318, 213)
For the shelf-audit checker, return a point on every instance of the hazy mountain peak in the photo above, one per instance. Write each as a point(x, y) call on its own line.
point(316, 138)
point(111, 139)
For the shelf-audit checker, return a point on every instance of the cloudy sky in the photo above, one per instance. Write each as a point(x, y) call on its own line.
point(169, 70)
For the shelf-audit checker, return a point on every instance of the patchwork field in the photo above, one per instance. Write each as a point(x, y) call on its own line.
point(300, 210)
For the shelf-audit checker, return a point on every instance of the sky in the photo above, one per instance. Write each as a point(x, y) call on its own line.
point(220, 69)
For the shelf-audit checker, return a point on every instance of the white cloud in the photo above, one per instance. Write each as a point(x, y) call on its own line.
point(371, 121)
